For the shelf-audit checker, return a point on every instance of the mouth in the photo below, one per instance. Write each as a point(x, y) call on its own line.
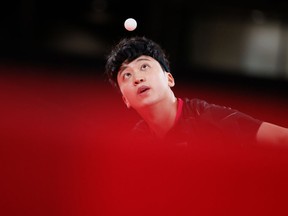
point(142, 89)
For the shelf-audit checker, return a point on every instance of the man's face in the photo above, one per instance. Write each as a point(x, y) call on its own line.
point(143, 82)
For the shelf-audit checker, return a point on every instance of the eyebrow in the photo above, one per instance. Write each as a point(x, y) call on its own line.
point(122, 68)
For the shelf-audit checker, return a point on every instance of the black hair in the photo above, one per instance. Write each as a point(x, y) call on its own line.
point(128, 49)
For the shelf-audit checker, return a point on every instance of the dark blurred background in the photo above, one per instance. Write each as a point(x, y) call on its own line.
point(236, 39)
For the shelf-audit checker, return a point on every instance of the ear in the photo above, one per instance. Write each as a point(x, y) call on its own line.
point(171, 81)
point(126, 102)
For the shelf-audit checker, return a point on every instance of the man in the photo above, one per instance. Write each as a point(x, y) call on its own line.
point(140, 69)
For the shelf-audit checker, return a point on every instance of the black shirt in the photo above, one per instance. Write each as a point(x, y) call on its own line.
point(204, 123)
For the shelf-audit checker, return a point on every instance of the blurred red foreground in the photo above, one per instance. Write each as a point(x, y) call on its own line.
point(63, 152)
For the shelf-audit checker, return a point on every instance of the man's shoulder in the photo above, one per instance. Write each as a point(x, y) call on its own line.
point(195, 106)
point(194, 102)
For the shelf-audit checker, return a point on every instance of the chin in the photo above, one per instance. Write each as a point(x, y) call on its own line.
point(147, 102)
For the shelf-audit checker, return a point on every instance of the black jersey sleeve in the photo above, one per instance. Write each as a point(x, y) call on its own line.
point(230, 122)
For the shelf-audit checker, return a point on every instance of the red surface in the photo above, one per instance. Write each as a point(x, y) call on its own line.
point(62, 153)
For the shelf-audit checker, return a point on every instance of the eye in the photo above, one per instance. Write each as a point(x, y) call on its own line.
point(144, 66)
point(126, 75)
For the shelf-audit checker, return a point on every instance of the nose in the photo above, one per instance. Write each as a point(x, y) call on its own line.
point(138, 79)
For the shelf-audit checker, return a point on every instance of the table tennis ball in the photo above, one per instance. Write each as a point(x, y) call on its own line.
point(130, 24)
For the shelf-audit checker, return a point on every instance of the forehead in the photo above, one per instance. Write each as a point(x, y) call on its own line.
point(142, 58)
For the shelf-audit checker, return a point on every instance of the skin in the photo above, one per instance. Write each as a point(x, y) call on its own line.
point(157, 105)
point(272, 135)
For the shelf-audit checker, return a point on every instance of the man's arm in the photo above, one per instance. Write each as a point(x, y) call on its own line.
point(272, 134)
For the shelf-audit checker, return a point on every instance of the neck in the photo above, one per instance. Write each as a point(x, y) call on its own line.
point(160, 117)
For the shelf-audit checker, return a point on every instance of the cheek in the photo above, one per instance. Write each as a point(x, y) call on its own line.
point(161, 81)
point(126, 91)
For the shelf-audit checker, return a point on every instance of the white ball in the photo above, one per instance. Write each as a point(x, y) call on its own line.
point(130, 24)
